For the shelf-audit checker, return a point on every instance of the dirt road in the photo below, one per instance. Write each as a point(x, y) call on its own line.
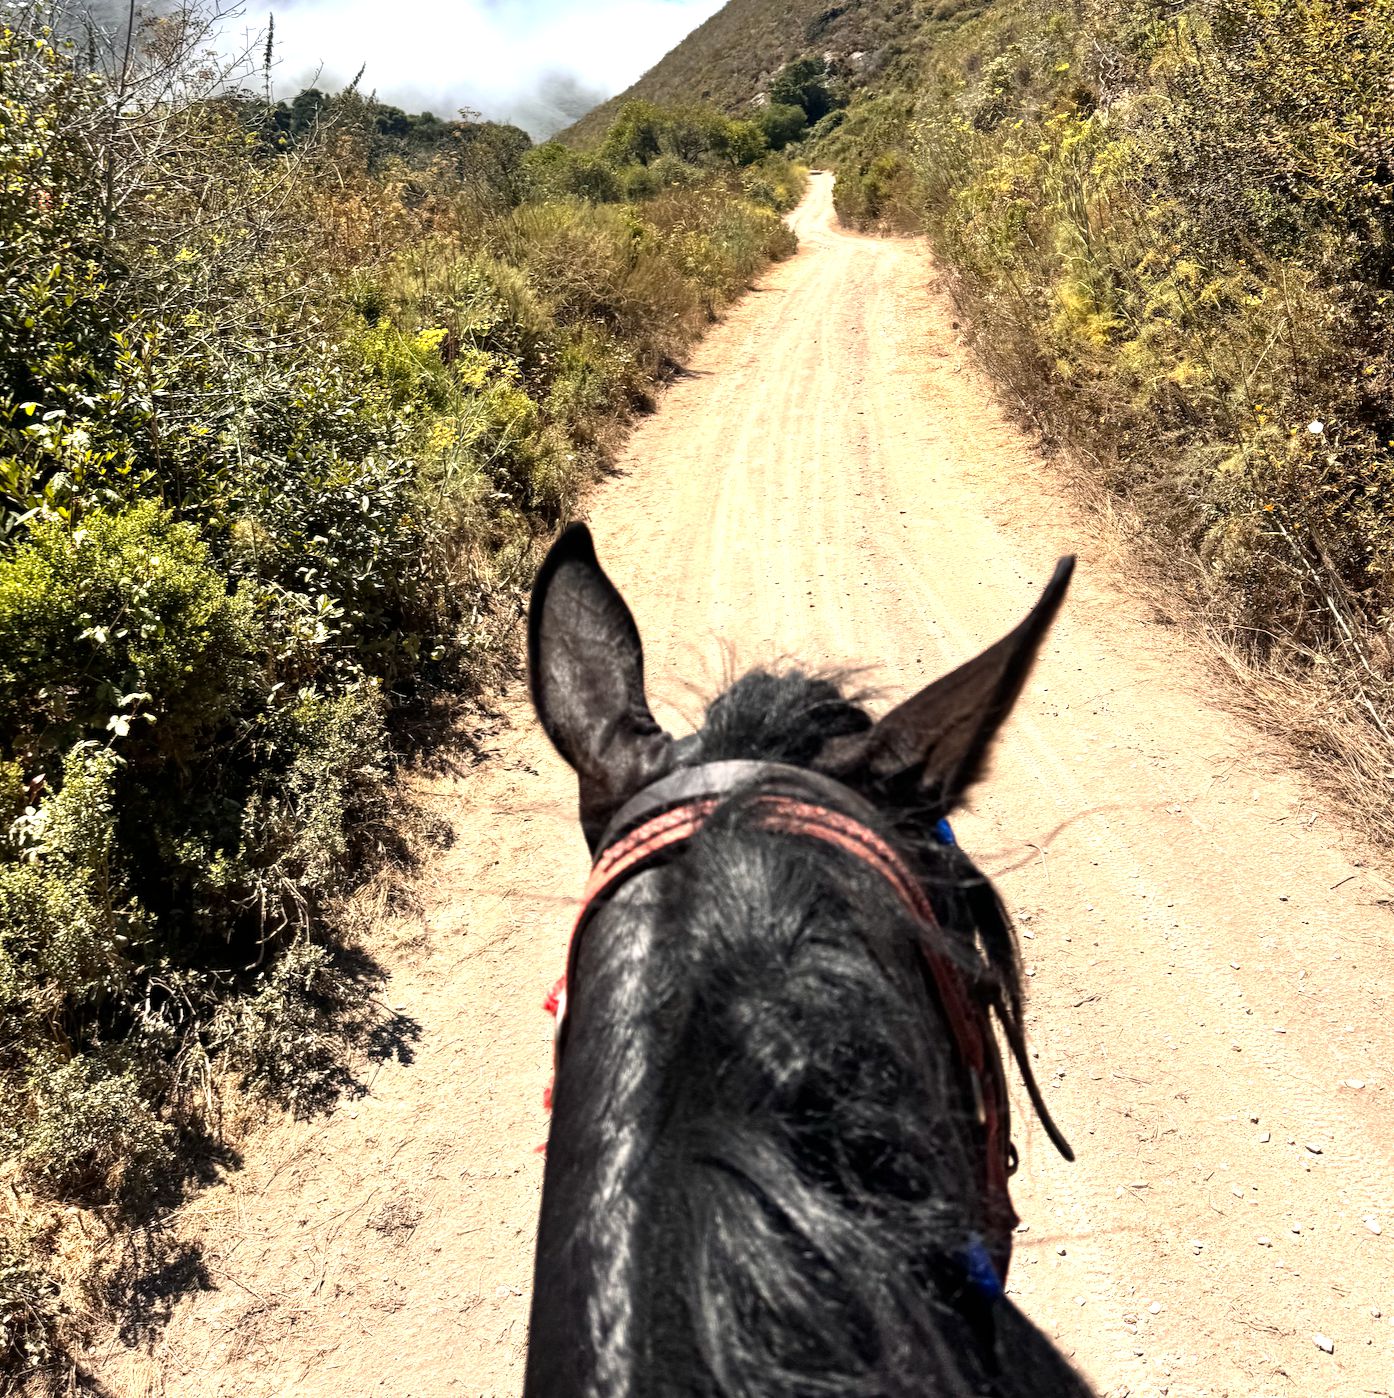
point(1209, 956)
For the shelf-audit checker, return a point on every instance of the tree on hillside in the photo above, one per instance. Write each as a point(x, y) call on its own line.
point(633, 138)
point(695, 136)
point(804, 84)
point(781, 124)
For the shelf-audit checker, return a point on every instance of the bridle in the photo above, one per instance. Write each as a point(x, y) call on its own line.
point(657, 822)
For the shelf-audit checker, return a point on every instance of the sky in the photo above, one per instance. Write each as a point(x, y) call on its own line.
point(537, 63)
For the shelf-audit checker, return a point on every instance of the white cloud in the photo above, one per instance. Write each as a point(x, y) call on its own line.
point(540, 62)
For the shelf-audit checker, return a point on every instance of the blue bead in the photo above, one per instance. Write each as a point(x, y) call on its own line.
point(982, 1275)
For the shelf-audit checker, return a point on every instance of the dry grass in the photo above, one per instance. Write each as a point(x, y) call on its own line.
point(1333, 714)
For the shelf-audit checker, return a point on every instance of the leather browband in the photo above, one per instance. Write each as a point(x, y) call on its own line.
point(720, 779)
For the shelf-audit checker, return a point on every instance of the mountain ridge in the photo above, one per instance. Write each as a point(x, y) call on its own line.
point(728, 61)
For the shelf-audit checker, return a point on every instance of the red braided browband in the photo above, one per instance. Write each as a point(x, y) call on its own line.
point(968, 1021)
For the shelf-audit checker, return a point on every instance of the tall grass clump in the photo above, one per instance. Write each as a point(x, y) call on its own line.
point(289, 393)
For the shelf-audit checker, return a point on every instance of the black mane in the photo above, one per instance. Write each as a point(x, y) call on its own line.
point(762, 1178)
point(785, 717)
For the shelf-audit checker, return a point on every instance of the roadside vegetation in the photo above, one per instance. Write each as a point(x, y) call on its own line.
point(1170, 229)
point(289, 393)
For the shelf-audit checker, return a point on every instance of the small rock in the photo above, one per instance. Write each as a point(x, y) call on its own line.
point(1356, 1083)
point(1296, 1227)
point(1197, 1245)
point(1373, 1224)
point(1323, 1343)
point(1253, 1116)
point(1265, 1242)
point(500, 1291)
point(1023, 1228)
point(1374, 1311)
point(1236, 1191)
point(1061, 1251)
point(1314, 1147)
point(1264, 1137)
point(1155, 1308)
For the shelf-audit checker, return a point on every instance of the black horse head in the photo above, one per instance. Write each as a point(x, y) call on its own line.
point(764, 1172)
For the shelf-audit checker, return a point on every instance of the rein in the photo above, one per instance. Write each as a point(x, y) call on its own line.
point(664, 816)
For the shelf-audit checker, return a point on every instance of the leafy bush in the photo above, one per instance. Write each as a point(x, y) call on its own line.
point(643, 132)
point(91, 1130)
point(781, 123)
point(804, 84)
point(29, 1300)
point(66, 925)
point(554, 172)
point(120, 626)
point(284, 1036)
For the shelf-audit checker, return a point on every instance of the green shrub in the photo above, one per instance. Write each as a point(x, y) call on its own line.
point(804, 84)
point(596, 374)
point(119, 627)
point(285, 1037)
point(774, 184)
point(555, 172)
point(780, 124)
point(90, 1131)
point(67, 927)
point(328, 805)
point(643, 132)
point(29, 1300)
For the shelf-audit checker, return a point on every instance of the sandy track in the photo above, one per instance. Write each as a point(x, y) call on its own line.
point(1208, 952)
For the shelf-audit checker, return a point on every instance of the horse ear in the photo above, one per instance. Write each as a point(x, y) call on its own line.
point(935, 742)
point(586, 670)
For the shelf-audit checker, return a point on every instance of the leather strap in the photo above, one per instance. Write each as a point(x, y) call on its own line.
point(665, 815)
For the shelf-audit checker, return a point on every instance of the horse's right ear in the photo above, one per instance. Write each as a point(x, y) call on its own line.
point(933, 746)
point(586, 670)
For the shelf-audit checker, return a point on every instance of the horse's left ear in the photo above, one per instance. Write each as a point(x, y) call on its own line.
point(586, 669)
point(934, 744)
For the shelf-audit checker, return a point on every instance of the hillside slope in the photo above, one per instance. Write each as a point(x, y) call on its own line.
point(729, 60)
